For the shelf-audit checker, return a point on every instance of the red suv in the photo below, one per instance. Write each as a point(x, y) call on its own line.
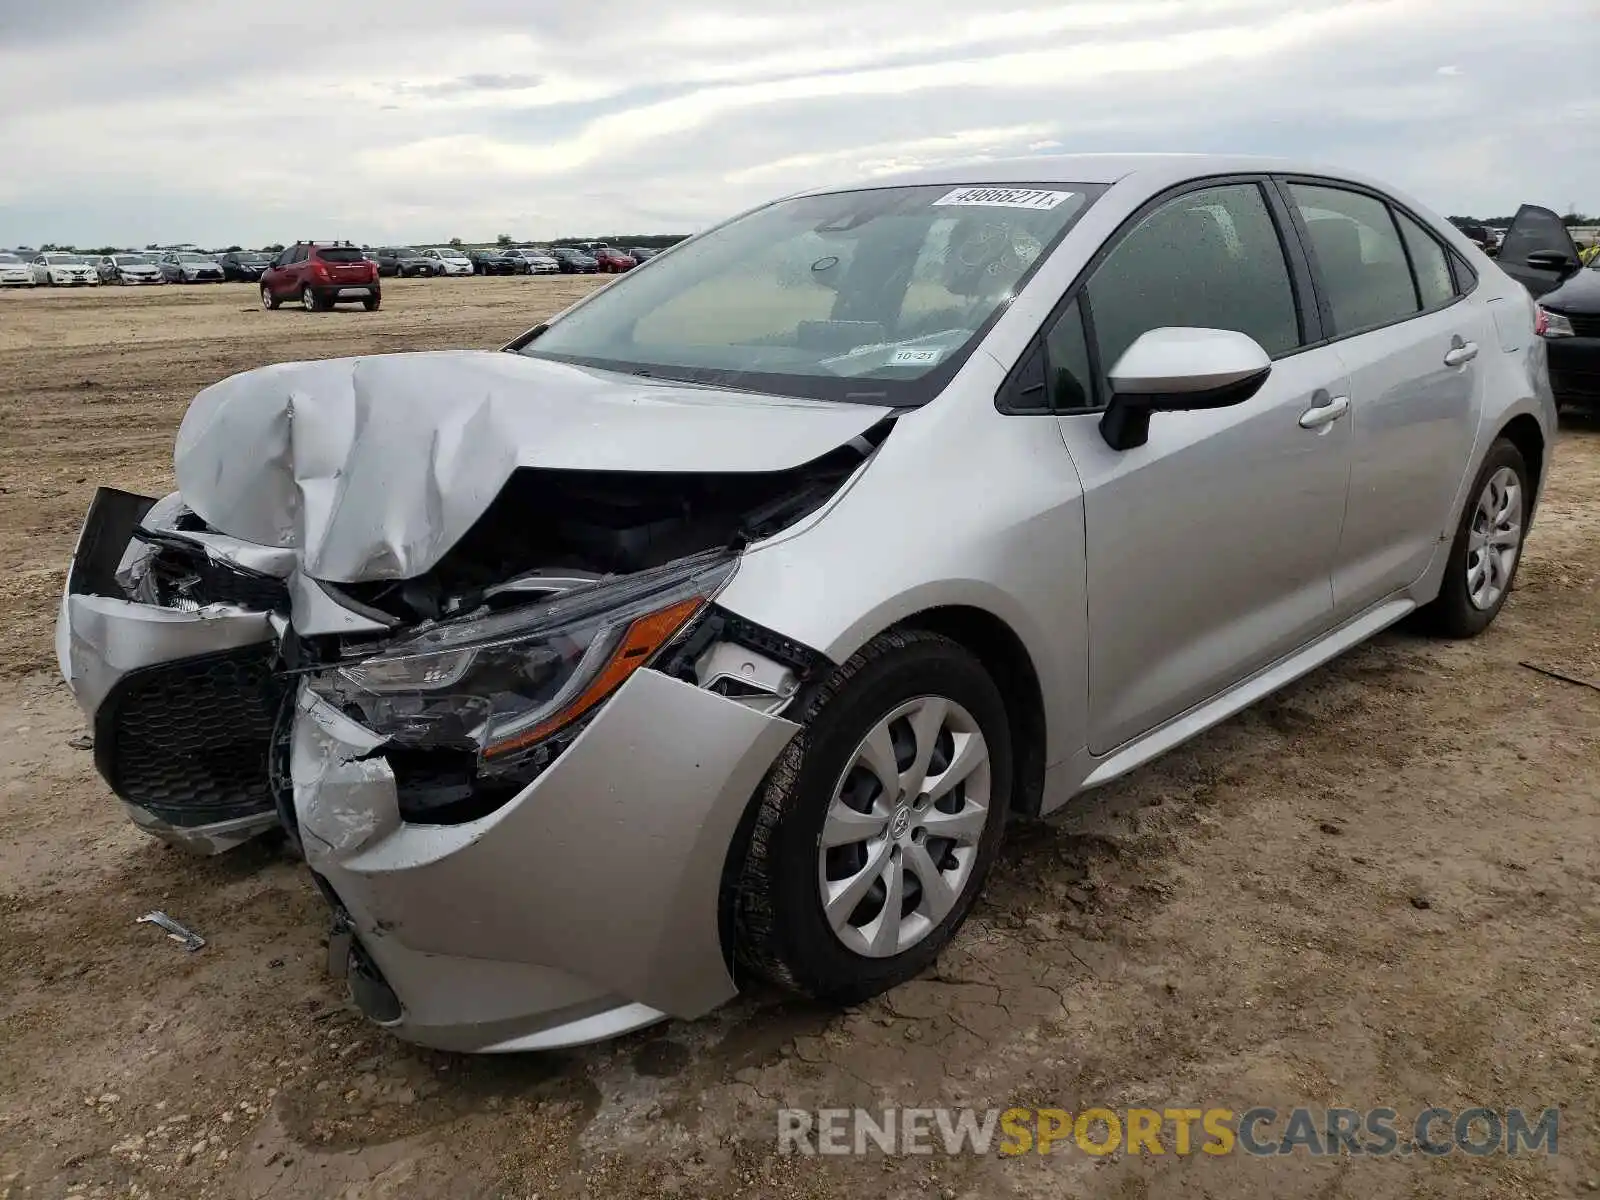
point(613, 260)
point(320, 275)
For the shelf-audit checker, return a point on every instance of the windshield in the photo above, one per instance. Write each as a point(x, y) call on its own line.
point(9, 260)
point(197, 258)
point(817, 295)
point(130, 260)
point(65, 260)
point(252, 258)
point(404, 252)
point(449, 252)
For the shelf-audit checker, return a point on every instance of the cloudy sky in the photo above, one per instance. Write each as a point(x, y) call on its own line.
point(254, 121)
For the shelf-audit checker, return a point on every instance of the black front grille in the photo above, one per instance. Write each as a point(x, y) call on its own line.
point(1585, 324)
point(190, 740)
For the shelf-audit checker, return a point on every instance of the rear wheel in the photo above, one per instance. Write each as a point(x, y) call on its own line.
point(876, 827)
point(1487, 548)
point(371, 303)
point(309, 301)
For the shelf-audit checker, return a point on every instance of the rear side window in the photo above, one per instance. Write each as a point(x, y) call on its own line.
point(340, 254)
point(1428, 262)
point(1359, 258)
point(1209, 259)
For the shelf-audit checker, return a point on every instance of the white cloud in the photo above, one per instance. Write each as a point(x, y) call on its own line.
point(410, 120)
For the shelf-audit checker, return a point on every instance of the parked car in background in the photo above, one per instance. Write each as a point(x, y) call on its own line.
point(244, 266)
point(1539, 251)
point(613, 261)
point(574, 261)
point(588, 693)
point(640, 253)
point(492, 260)
point(14, 271)
point(319, 275)
point(63, 270)
point(401, 261)
point(447, 260)
point(189, 266)
point(129, 268)
point(535, 260)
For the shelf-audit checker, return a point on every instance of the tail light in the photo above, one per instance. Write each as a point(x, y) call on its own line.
point(319, 269)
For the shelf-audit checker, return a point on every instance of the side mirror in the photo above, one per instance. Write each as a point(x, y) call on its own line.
point(1175, 370)
point(1553, 260)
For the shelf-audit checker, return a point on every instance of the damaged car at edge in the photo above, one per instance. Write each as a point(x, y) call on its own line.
point(714, 627)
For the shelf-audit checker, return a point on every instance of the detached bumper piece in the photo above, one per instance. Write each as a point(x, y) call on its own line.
point(177, 675)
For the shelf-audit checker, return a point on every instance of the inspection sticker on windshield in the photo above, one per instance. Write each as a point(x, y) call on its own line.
point(914, 358)
point(999, 197)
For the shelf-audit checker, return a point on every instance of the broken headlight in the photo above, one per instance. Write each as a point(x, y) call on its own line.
point(508, 689)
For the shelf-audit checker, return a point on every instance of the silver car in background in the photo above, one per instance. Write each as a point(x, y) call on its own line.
point(128, 269)
point(190, 266)
point(540, 262)
point(715, 628)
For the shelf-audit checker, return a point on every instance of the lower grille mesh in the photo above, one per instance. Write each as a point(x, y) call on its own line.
point(190, 740)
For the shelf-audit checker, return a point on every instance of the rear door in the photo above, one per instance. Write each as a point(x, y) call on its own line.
point(1210, 549)
point(1538, 251)
point(1412, 345)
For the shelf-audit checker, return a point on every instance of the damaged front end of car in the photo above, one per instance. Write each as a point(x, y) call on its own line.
point(473, 714)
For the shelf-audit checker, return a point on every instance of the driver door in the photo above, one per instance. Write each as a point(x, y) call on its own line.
point(1538, 251)
point(1210, 549)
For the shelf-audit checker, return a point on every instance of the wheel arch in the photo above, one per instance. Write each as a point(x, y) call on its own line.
point(1004, 655)
point(1524, 432)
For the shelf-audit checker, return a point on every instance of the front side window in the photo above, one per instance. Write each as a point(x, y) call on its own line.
point(1429, 263)
point(1359, 259)
point(1210, 259)
point(875, 295)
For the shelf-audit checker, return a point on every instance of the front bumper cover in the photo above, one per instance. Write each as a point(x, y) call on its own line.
point(585, 906)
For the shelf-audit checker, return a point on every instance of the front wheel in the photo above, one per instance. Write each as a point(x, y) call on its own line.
point(878, 823)
point(268, 300)
point(1487, 548)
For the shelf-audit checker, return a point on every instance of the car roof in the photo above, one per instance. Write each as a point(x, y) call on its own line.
point(1158, 170)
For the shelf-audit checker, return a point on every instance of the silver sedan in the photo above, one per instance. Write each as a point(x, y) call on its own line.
point(715, 628)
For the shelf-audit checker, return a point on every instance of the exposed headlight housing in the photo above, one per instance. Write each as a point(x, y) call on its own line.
point(500, 694)
point(1549, 324)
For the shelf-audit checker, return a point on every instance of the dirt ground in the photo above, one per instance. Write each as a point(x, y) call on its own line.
point(1376, 889)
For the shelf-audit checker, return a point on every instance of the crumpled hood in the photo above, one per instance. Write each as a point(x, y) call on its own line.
point(372, 468)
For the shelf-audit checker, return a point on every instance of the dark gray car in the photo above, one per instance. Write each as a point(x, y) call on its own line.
point(404, 260)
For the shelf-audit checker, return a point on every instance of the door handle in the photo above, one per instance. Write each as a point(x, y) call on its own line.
point(1461, 354)
point(1326, 413)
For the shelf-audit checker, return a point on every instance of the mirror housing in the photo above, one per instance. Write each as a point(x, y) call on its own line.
point(1176, 370)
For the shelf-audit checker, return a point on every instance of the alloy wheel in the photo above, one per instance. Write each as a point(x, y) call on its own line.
point(1495, 539)
point(902, 831)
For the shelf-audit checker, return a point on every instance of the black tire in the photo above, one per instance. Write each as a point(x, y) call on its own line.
point(371, 303)
point(1452, 613)
point(781, 932)
point(268, 299)
point(311, 302)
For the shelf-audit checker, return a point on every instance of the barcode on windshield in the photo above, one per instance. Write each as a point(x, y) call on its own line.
point(998, 197)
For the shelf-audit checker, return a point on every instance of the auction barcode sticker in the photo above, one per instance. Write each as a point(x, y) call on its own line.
point(999, 197)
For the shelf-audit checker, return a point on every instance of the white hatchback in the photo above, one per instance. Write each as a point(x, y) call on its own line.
point(447, 260)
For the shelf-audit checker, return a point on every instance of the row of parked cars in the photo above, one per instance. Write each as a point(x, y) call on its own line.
point(65, 269)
